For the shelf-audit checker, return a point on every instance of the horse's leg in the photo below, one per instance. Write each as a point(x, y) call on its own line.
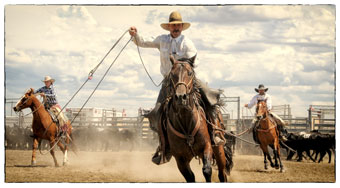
point(35, 147)
point(52, 142)
point(221, 162)
point(278, 155)
point(276, 164)
point(184, 168)
point(265, 161)
point(207, 158)
point(266, 153)
point(64, 149)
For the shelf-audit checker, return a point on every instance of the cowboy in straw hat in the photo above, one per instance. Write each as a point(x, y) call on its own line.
point(51, 103)
point(179, 46)
point(262, 95)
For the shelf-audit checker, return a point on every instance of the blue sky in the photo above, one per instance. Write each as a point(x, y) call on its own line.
point(288, 48)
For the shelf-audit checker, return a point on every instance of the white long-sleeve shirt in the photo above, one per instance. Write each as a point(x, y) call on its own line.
point(180, 47)
point(261, 97)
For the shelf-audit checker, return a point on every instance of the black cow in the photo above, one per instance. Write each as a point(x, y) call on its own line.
point(326, 143)
point(304, 142)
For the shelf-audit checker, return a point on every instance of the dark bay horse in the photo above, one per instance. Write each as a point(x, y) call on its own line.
point(187, 128)
point(267, 134)
point(43, 126)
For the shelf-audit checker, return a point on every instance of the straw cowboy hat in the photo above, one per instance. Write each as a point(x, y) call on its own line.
point(175, 18)
point(48, 78)
point(261, 87)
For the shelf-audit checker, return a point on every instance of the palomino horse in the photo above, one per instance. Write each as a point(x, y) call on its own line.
point(267, 134)
point(187, 128)
point(43, 126)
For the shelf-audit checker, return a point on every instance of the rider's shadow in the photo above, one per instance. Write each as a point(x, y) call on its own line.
point(267, 171)
point(259, 170)
point(29, 166)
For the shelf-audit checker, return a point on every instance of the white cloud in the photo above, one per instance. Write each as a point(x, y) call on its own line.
point(18, 56)
point(288, 48)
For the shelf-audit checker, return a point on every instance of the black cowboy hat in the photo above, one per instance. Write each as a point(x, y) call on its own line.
point(261, 87)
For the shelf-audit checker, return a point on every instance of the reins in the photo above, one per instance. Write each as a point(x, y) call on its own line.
point(231, 134)
point(189, 137)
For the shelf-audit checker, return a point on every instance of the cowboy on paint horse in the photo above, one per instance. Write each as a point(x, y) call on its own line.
point(51, 103)
point(179, 46)
point(262, 95)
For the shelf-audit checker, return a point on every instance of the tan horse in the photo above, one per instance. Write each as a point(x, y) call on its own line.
point(43, 126)
point(187, 129)
point(267, 134)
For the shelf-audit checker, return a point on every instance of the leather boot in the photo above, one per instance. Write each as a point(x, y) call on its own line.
point(218, 140)
point(159, 158)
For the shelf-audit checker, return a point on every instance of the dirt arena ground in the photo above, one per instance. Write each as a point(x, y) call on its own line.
point(137, 167)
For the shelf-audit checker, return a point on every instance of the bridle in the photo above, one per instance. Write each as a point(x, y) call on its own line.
point(263, 116)
point(33, 111)
point(180, 82)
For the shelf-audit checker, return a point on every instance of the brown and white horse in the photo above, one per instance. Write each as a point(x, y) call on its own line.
point(43, 126)
point(267, 134)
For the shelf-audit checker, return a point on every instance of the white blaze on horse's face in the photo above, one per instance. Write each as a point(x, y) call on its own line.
point(261, 109)
point(19, 101)
point(182, 81)
point(21, 104)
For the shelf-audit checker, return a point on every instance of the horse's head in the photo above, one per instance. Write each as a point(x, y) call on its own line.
point(261, 109)
point(25, 101)
point(182, 77)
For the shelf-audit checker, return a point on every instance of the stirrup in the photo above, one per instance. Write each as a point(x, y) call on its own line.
point(157, 158)
point(218, 141)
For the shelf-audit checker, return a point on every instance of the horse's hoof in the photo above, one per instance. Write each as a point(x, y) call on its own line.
point(277, 167)
point(57, 165)
point(65, 163)
point(282, 170)
point(33, 163)
point(272, 165)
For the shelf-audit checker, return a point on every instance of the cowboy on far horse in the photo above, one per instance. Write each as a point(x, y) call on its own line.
point(263, 96)
point(180, 47)
point(51, 103)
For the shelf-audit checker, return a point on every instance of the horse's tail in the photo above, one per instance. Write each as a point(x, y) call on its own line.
point(229, 157)
point(39, 146)
point(73, 146)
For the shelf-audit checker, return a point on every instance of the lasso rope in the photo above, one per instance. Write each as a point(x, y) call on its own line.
point(101, 80)
point(89, 78)
point(51, 148)
point(140, 57)
point(94, 70)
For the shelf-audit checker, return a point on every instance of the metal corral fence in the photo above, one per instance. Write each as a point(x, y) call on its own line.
point(294, 125)
point(90, 133)
point(127, 133)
